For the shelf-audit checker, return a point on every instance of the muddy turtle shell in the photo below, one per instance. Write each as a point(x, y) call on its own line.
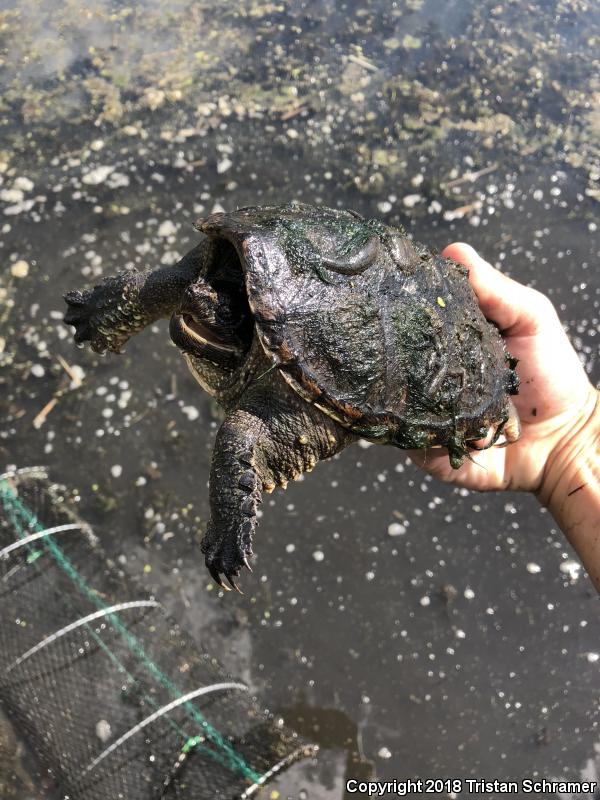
point(380, 333)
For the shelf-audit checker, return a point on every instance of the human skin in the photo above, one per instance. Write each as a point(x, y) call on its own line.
point(557, 457)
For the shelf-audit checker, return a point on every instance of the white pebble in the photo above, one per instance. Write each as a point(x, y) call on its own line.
point(167, 228)
point(384, 752)
point(469, 593)
point(78, 376)
point(170, 257)
point(571, 568)
point(96, 176)
point(425, 600)
point(11, 195)
point(20, 269)
point(191, 412)
point(289, 548)
point(533, 568)
point(411, 200)
point(396, 529)
point(24, 184)
point(593, 657)
point(384, 206)
point(318, 555)
point(224, 165)
point(38, 371)
point(116, 470)
point(103, 730)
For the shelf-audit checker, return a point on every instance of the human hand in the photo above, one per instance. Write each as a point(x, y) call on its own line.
point(555, 399)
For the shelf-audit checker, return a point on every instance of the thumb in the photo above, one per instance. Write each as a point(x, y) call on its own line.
point(516, 309)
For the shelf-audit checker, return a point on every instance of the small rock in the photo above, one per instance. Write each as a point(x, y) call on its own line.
point(191, 412)
point(20, 269)
point(593, 657)
point(24, 184)
point(411, 200)
point(11, 195)
point(167, 228)
point(411, 42)
point(224, 165)
point(396, 529)
point(571, 568)
point(97, 176)
point(154, 98)
point(103, 730)
point(170, 257)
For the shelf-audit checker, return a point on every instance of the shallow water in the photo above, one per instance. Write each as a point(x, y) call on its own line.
point(462, 121)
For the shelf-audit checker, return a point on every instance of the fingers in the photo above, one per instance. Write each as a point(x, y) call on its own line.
point(516, 309)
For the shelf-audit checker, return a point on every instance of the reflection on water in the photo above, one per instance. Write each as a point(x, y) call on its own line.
point(479, 121)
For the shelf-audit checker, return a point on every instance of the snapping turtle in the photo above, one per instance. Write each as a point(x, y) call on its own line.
point(312, 327)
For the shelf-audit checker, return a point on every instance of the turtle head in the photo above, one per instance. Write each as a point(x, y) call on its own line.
point(213, 326)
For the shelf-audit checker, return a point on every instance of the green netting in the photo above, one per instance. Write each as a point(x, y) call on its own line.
point(114, 699)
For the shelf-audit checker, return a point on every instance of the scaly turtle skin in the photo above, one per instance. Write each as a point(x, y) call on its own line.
point(311, 327)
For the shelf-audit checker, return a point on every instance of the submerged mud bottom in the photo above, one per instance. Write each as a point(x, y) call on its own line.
point(126, 684)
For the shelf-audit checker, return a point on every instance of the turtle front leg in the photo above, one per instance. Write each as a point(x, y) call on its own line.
point(265, 444)
point(124, 304)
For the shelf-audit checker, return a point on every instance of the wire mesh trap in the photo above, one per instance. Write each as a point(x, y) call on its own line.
point(114, 699)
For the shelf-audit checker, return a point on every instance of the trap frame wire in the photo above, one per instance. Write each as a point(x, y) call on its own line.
point(87, 671)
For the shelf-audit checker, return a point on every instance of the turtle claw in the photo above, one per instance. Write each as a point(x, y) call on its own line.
point(231, 580)
point(246, 563)
point(217, 579)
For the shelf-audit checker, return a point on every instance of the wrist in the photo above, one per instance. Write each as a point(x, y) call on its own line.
point(576, 447)
point(574, 466)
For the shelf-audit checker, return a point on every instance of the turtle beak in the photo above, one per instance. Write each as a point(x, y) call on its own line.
point(193, 339)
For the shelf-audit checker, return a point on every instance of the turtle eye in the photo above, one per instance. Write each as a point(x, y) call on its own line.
point(352, 260)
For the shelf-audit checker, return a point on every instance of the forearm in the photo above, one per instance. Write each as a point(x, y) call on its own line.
point(571, 489)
